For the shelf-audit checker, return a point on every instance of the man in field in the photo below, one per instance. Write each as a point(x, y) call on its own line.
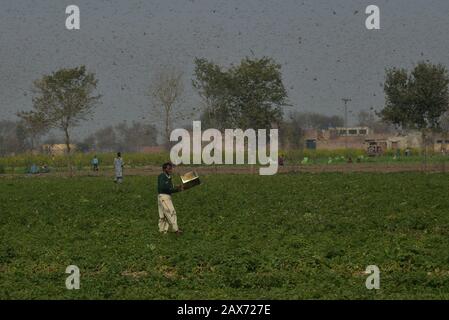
point(95, 163)
point(165, 188)
point(118, 167)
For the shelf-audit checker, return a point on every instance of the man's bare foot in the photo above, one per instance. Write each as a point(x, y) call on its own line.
point(179, 232)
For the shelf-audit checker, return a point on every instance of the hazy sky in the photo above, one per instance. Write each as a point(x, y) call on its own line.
point(324, 48)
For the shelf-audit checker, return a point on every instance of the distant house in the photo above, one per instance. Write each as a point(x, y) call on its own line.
point(336, 138)
point(379, 143)
point(56, 149)
point(441, 144)
point(363, 138)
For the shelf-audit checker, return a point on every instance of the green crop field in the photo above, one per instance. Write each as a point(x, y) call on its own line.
point(295, 236)
point(21, 163)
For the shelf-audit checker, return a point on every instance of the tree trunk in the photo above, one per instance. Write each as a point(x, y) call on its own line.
point(424, 140)
point(443, 146)
point(69, 155)
point(443, 143)
point(167, 129)
point(443, 150)
point(32, 144)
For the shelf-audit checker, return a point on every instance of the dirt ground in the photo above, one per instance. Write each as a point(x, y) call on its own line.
point(288, 169)
point(203, 170)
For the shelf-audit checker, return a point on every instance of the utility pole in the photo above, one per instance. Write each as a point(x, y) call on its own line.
point(345, 101)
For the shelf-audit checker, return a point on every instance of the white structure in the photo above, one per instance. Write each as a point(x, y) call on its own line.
point(353, 131)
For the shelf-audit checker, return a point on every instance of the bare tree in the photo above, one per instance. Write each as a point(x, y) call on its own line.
point(34, 125)
point(9, 142)
point(165, 91)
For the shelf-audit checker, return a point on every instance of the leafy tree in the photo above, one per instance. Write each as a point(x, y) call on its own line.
point(32, 127)
point(418, 99)
point(249, 95)
point(15, 137)
point(8, 139)
point(63, 99)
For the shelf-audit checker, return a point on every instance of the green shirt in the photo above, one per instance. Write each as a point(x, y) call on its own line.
point(165, 185)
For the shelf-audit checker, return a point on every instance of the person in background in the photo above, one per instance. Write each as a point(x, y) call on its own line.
point(118, 167)
point(34, 169)
point(281, 159)
point(407, 152)
point(44, 169)
point(95, 163)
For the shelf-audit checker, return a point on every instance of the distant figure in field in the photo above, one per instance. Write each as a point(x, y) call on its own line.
point(34, 169)
point(408, 152)
point(281, 159)
point(165, 188)
point(95, 163)
point(44, 169)
point(118, 167)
